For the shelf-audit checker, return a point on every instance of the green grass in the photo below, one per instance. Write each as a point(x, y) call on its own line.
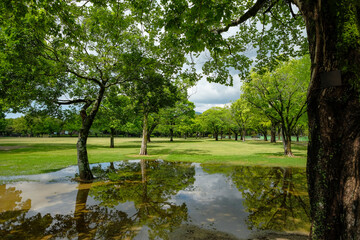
point(41, 155)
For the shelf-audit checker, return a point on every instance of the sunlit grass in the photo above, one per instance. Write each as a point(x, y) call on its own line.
point(39, 155)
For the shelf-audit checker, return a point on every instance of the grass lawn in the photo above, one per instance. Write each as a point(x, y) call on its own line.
point(20, 156)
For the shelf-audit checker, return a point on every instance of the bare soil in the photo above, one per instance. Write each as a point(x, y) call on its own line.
point(8, 148)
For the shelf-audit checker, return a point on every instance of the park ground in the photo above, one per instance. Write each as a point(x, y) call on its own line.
point(23, 156)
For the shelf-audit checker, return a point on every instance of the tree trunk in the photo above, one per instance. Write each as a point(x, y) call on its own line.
point(286, 142)
point(334, 117)
point(265, 136)
point(112, 133)
point(236, 136)
point(171, 134)
point(279, 133)
point(143, 150)
point(244, 134)
point(82, 156)
point(216, 136)
point(273, 134)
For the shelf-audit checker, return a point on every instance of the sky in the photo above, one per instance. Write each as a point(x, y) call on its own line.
point(206, 95)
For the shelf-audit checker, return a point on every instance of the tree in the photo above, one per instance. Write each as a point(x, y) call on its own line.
point(280, 95)
point(76, 52)
point(241, 114)
point(151, 92)
point(212, 121)
point(114, 112)
point(176, 116)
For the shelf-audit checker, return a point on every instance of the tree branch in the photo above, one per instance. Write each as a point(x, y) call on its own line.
point(250, 13)
point(84, 77)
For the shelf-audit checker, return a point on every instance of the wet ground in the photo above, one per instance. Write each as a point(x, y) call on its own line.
point(157, 200)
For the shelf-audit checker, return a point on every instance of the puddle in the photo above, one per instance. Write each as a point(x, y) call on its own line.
point(143, 199)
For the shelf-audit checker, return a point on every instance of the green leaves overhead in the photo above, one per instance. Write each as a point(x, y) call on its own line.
point(272, 29)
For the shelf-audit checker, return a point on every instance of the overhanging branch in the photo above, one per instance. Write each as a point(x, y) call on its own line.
point(250, 13)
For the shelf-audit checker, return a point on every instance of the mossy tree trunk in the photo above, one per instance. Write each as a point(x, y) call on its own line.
point(334, 115)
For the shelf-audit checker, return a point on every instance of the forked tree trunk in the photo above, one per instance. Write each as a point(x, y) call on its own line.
point(334, 117)
point(143, 149)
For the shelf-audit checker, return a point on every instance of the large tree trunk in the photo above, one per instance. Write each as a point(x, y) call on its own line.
point(334, 116)
point(112, 133)
point(143, 150)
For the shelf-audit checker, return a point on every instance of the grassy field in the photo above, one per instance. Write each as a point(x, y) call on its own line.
point(19, 156)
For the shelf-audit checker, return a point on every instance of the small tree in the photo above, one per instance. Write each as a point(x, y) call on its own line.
point(212, 121)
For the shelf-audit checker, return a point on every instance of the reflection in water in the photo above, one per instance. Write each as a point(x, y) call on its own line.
point(276, 198)
point(156, 200)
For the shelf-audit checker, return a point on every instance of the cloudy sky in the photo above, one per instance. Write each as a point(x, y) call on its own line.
point(206, 95)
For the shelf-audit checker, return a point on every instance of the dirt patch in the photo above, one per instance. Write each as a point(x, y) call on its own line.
point(8, 148)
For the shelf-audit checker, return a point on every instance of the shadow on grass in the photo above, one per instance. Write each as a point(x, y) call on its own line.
point(175, 141)
point(166, 151)
point(281, 154)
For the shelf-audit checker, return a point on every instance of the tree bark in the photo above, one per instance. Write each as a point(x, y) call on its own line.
point(143, 149)
point(279, 133)
point(216, 136)
point(334, 116)
point(244, 134)
point(112, 133)
point(236, 136)
point(286, 136)
point(265, 136)
point(273, 133)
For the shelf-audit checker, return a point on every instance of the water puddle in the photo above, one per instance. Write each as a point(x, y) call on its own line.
point(156, 200)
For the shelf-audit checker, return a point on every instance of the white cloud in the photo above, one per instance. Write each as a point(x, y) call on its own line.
point(206, 95)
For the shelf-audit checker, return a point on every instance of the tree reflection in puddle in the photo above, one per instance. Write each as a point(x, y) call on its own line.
point(153, 199)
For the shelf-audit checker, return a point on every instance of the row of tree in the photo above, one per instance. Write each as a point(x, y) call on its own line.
point(270, 102)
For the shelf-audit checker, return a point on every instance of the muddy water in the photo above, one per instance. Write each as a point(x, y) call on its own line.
point(156, 200)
